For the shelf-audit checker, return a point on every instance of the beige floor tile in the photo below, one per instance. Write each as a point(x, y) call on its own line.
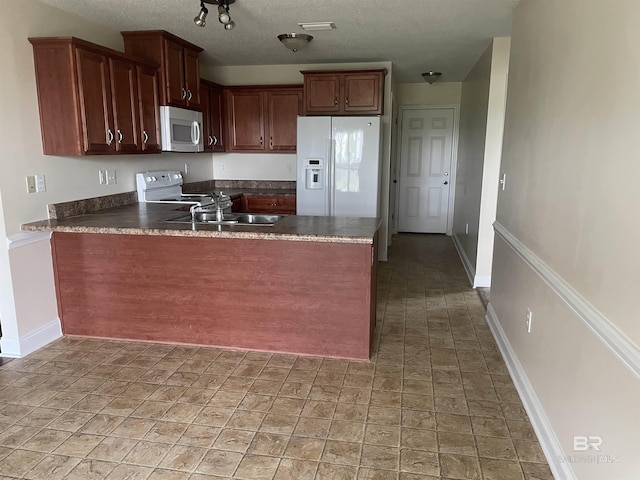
point(380, 457)
point(78, 444)
point(303, 448)
point(420, 462)
point(162, 474)
point(280, 424)
point(457, 443)
point(219, 462)
point(384, 435)
point(341, 453)
point(529, 451)
point(328, 471)
point(101, 424)
point(199, 436)
point(318, 409)
point(53, 467)
point(418, 439)
point(491, 447)
point(287, 406)
point(493, 469)
point(182, 457)
point(291, 469)
point(536, 471)
point(346, 431)
point(233, 440)
point(129, 472)
point(268, 444)
point(372, 474)
point(112, 449)
point(256, 467)
point(20, 462)
point(91, 470)
point(46, 440)
point(312, 427)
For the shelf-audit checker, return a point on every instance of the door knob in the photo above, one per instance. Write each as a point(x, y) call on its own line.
point(395, 181)
point(446, 183)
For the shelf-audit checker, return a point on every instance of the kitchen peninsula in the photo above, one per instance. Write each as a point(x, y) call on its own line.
point(306, 285)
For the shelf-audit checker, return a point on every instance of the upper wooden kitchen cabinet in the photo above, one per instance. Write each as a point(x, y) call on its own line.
point(262, 119)
point(212, 116)
point(89, 99)
point(179, 64)
point(353, 92)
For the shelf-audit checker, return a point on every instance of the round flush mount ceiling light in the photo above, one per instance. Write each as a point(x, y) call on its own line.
point(295, 41)
point(431, 76)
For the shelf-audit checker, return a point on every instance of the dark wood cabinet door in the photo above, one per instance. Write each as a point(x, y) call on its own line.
point(206, 118)
point(282, 204)
point(95, 102)
point(283, 108)
point(217, 117)
point(124, 96)
point(363, 93)
point(322, 94)
point(176, 93)
point(149, 109)
point(192, 78)
point(245, 120)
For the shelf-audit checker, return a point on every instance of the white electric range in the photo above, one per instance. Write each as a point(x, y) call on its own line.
point(164, 186)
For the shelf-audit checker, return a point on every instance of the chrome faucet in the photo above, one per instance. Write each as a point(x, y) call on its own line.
point(220, 201)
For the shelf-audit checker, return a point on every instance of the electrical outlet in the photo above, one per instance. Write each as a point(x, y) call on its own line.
point(41, 184)
point(529, 320)
point(102, 177)
point(289, 168)
point(31, 184)
point(187, 167)
point(223, 167)
point(111, 177)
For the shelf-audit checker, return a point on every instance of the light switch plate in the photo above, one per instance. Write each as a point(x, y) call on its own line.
point(111, 177)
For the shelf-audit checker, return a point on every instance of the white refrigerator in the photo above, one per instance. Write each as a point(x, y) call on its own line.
point(338, 166)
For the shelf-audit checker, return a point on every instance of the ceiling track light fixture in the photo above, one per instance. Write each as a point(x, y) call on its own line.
point(431, 76)
point(295, 41)
point(200, 19)
point(224, 17)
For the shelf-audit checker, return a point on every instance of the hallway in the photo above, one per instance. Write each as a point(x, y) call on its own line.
point(435, 402)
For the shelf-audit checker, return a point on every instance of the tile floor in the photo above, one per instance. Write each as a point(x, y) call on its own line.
point(435, 402)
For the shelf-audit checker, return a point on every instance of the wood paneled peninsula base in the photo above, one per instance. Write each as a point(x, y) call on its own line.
point(280, 295)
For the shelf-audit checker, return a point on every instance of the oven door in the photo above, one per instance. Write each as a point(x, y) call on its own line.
point(181, 130)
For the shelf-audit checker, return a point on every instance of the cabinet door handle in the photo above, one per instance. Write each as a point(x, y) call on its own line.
point(184, 94)
point(145, 136)
point(260, 140)
point(271, 141)
point(120, 136)
point(109, 136)
point(189, 96)
point(335, 101)
point(215, 140)
point(346, 101)
point(210, 140)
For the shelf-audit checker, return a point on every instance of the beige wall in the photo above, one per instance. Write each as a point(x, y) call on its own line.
point(571, 159)
point(446, 93)
point(67, 178)
point(482, 110)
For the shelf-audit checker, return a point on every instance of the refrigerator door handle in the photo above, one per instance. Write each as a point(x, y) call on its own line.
point(331, 177)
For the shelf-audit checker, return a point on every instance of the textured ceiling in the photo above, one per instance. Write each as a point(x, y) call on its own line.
point(416, 35)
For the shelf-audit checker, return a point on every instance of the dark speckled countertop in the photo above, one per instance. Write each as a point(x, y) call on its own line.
point(152, 219)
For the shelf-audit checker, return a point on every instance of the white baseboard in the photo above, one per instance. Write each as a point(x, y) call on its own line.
point(466, 263)
point(21, 239)
point(21, 347)
point(475, 280)
point(539, 420)
point(481, 281)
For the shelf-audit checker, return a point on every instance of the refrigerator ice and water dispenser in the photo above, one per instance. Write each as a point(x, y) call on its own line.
point(314, 169)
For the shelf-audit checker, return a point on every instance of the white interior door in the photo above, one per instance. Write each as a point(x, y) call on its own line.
point(425, 167)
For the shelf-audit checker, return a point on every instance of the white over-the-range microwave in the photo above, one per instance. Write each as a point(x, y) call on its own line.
point(181, 130)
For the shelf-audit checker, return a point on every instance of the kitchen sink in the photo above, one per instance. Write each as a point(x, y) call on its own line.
point(209, 218)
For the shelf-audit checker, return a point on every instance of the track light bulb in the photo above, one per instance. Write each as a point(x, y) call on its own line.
point(223, 14)
point(200, 19)
point(230, 26)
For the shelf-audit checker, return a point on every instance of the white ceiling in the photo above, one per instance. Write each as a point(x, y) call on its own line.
point(416, 35)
